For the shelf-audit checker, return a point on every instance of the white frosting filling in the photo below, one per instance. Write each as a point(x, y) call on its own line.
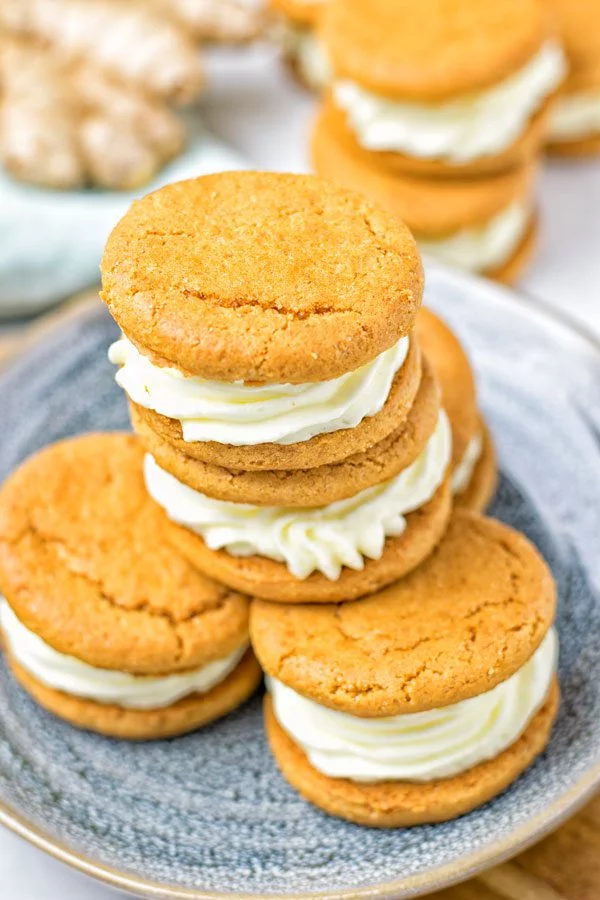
point(458, 130)
point(238, 414)
point(72, 676)
point(310, 56)
point(461, 477)
point(483, 247)
point(576, 116)
point(423, 746)
point(321, 539)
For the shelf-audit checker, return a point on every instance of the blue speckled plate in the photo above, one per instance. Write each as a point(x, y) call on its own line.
point(208, 815)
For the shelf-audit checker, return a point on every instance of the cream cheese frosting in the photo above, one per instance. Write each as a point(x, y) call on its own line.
point(321, 539)
point(309, 53)
point(463, 473)
point(482, 247)
point(241, 415)
point(576, 116)
point(459, 130)
point(72, 676)
point(423, 746)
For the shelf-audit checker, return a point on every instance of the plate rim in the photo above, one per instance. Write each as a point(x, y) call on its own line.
point(451, 873)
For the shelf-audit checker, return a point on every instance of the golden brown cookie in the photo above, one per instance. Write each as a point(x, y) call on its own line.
point(84, 565)
point(432, 50)
point(185, 715)
point(468, 618)
point(578, 23)
point(394, 804)
point(589, 146)
point(321, 450)
point(522, 152)
point(263, 577)
point(300, 12)
point(306, 487)
point(455, 375)
point(511, 270)
point(432, 208)
point(261, 277)
point(480, 490)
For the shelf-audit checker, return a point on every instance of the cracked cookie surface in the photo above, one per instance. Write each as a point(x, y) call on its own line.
point(261, 277)
point(468, 618)
point(84, 564)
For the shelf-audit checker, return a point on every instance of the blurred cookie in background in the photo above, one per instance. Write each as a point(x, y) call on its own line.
point(484, 225)
point(575, 120)
point(296, 31)
point(443, 87)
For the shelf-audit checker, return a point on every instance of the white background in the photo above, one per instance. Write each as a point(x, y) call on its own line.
point(258, 110)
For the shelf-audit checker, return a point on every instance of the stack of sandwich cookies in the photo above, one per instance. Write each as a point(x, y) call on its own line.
point(104, 624)
point(294, 431)
point(298, 20)
point(437, 111)
point(444, 87)
point(575, 120)
point(425, 700)
point(474, 466)
point(484, 225)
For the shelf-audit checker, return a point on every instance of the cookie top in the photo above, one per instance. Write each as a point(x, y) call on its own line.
point(579, 26)
point(84, 565)
point(468, 618)
point(434, 49)
point(261, 277)
point(431, 207)
point(455, 376)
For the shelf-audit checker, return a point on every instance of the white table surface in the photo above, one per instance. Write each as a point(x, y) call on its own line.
point(265, 116)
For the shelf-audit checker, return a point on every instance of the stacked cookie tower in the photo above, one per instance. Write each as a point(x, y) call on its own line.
point(295, 439)
point(293, 427)
point(438, 111)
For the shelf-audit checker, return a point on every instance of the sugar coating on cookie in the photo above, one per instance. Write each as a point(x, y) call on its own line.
point(261, 277)
point(468, 618)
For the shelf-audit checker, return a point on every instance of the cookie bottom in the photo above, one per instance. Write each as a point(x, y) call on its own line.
point(588, 146)
point(511, 270)
point(397, 804)
point(480, 490)
point(261, 577)
point(186, 715)
point(308, 487)
point(520, 152)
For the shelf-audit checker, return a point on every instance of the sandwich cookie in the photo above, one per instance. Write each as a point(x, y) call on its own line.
point(484, 225)
point(426, 700)
point(104, 623)
point(303, 51)
point(282, 427)
point(262, 278)
point(310, 487)
point(444, 87)
point(575, 120)
point(474, 466)
point(342, 550)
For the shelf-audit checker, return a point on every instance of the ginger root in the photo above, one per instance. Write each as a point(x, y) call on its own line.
point(128, 41)
point(86, 88)
point(66, 125)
